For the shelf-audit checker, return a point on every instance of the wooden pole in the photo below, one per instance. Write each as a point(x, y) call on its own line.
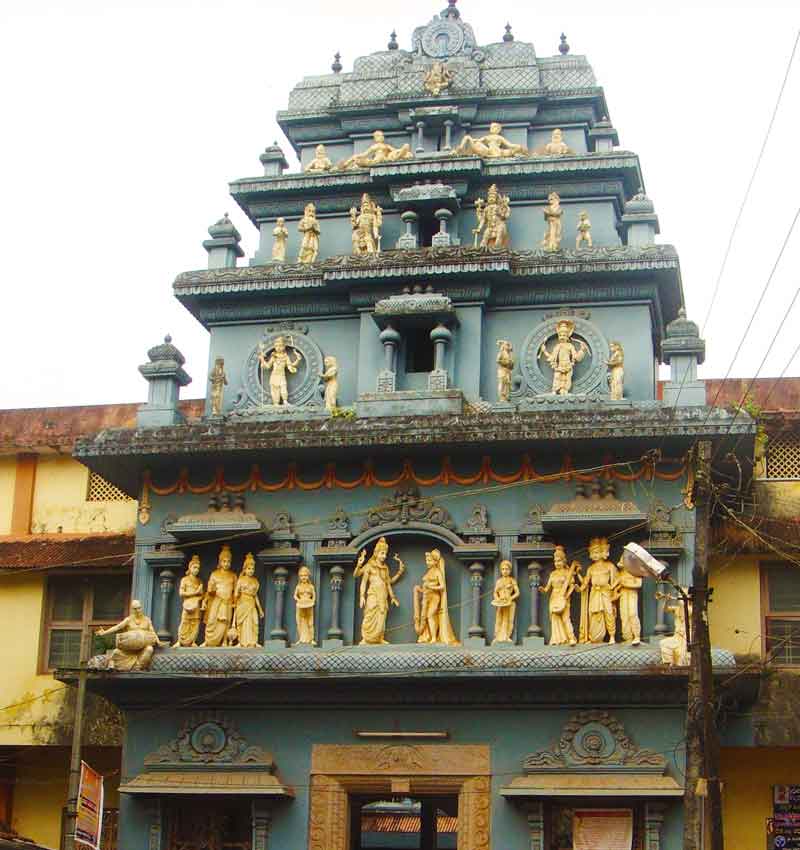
point(77, 743)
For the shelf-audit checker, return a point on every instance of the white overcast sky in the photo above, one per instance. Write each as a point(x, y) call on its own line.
point(124, 121)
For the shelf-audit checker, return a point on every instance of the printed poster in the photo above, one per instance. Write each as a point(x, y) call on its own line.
point(89, 822)
point(602, 829)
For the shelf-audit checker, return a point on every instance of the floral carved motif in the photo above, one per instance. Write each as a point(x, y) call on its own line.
point(406, 505)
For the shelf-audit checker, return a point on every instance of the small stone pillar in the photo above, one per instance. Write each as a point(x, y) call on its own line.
point(440, 336)
point(683, 349)
point(278, 634)
point(261, 814)
point(603, 137)
point(442, 239)
point(640, 221)
point(448, 134)
point(223, 246)
point(278, 558)
point(653, 821)
point(476, 629)
point(408, 240)
point(386, 377)
point(338, 558)
point(533, 553)
point(660, 628)
point(165, 376)
point(420, 137)
point(335, 632)
point(273, 160)
point(534, 633)
point(166, 584)
point(535, 817)
point(476, 554)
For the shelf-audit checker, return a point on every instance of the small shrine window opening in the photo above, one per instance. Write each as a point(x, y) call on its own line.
point(419, 350)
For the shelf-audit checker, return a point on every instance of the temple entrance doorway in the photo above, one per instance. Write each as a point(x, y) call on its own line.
point(404, 823)
point(208, 823)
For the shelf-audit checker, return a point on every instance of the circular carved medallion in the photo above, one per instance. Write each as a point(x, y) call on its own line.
point(442, 38)
point(208, 738)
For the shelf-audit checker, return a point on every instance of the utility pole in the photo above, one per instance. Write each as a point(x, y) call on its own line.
point(77, 742)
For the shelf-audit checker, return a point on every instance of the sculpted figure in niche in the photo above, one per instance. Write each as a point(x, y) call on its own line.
point(309, 227)
point(247, 603)
point(563, 357)
point(280, 235)
point(560, 585)
point(552, 223)
point(218, 601)
point(330, 377)
point(438, 78)
point(598, 614)
point(320, 161)
point(278, 364)
point(616, 371)
point(379, 151)
point(136, 640)
point(626, 592)
point(491, 146)
point(305, 597)
point(555, 147)
point(674, 649)
point(584, 236)
point(366, 224)
point(190, 591)
point(218, 381)
point(376, 591)
point(431, 614)
point(505, 366)
point(492, 216)
point(504, 600)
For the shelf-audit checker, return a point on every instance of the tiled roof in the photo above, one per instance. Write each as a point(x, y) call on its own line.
point(106, 549)
point(404, 823)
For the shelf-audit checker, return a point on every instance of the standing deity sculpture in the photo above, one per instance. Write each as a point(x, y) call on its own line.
point(492, 214)
point(280, 236)
point(190, 591)
point(379, 151)
point(218, 601)
point(563, 356)
point(376, 591)
point(330, 378)
point(504, 600)
point(626, 594)
point(247, 605)
point(431, 612)
point(555, 147)
point(438, 78)
point(278, 363)
point(616, 371)
point(491, 146)
point(135, 642)
point(560, 585)
point(505, 366)
point(305, 597)
point(321, 162)
point(309, 227)
point(598, 613)
point(366, 224)
point(553, 214)
point(219, 381)
point(674, 648)
point(584, 236)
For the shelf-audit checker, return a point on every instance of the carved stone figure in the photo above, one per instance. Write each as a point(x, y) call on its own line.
point(555, 147)
point(309, 227)
point(492, 216)
point(563, 356)
point(560, 585)
point(616, 371)
point(598, 614)
point(438, 78)
point(190, 591)
point(552, 223)
point(366, 224)
point(218, 601)
point(491, 146)
point(320, 161)
point(305, 597)
point(626, 592)
point(431, 613)
point(584, 236)
point(505, 366)
point(504, 599)
point(278, 364)
point(674, 649)
point(135, 643)
point(330, 377)
point(218, 381)
point(376, 591)
point(379, 151)
point(280, 235)
point(248, 610)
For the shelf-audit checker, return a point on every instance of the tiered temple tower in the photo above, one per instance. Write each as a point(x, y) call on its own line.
point(439, 368)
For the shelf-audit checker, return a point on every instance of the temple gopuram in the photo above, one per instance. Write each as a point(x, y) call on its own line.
point(378, 593)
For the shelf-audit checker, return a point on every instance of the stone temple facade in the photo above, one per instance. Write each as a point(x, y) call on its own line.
point(405, 391)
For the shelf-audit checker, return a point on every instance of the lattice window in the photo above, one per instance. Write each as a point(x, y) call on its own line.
point(100, 490)
point(783, 457)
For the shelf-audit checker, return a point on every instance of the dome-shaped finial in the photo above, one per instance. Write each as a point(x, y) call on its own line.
point(451, 11)
point(509, 36)
point(393, 45)
point(168, 337)
point(337, 65)
point(563, 48)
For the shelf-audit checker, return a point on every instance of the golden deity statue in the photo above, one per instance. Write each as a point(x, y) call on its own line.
point(330, 377)
point(309, 227)
point(278, 364)
point(555, 147)
point(598, 614)
point(505, 366)
point(320, 161)
point(552, 223)
point(560, 585)
point(504, 600)
point(563, 356)
point(376, 592)
point(280, 235)
point(431, 613)
point(584, 236)
point(491, 146)
point(248, 610)
point(674, 649)
point(626, 593)
point(218, 601)
point(492, 214)
point(305, 597)
point(366, 224)
point(218, 381)
point(379, 151)
point(136, 640)
point(190, 591)
point(616, 371)
point(438, 78)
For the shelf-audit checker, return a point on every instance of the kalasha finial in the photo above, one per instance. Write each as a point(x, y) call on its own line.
point(337, 65)
point(563, 48)
point(508, 34)
point(451, 11)
point(168, 339)
point(393, 45)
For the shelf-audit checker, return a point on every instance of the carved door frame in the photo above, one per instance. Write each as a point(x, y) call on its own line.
point(339, 771)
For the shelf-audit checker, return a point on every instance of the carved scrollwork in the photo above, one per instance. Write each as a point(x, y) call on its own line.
point(406, 505)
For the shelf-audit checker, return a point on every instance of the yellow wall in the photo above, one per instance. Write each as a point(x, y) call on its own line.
point(8, 474)
point(735, 612)
point(778, 498)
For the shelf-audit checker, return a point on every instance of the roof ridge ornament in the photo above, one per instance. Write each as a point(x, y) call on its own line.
point(508, 35)
point(336, 67)
point(563, 48)
point(451, 11)
point(393, 45)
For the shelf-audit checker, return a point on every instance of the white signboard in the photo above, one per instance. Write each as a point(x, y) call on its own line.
point(602, 829)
